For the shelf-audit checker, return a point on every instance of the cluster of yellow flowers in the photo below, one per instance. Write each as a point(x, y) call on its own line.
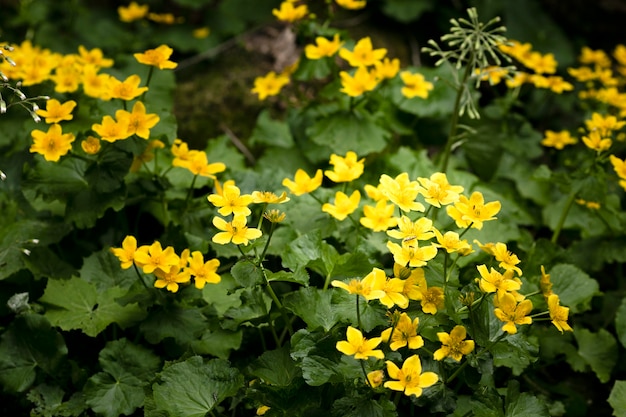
point(171, 270)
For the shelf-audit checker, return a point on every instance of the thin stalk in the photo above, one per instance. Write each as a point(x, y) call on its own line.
point(483, 350)
point(280, 306)
point(267, 243)
point(358, 312)
point(365, 374)
point(445, 272)
point(559, 226)
point(190, 191)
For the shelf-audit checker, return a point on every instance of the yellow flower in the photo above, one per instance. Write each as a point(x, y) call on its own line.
point(91, 145)
point(473, 211)
point(126, 254)
point(596, 142)
point(94, 84)
point(453, 345)
point(139, 123)
point(404, 333)
point(545, 285)
point(358, 346)
point(582, 74)
point(155, 257)
point(132, 12)
point(401, 192)
point(370, 287)
point(344, 205)
point(437, 191)
point(171, 278)
point(52, 144)
point(203, 272)
point(66, 79)
point(288, 12)
point(379, 218)
point(511, 312)
point(128, 89)
point(557, 84)
point(94, 57)
point(410, 378)
point(394, 294)
point(432, 299)
point(493, 74)
point(352, 4)
point(56, 112)
point(375, 378)
point(451, 242)
point(415, 85)
point(268, 197)
point(361, 82)
point(234, 231)
point(302, 183)
point(411, 254)
point(274, 216)
point(158, 57)
point(414, 281)
point(558, 140)
point(198, 164)
point(421, 229)
point(269, 85)
point(345, 169)
point(201, 33)
point(386, 69)
point(262, 410)
point(619, 166)
point(604, 125)
point(507, 259)
point(111, 130)
point(541, 64)
point(558, 314)
point(363, 54)
point(165, 18)
point(596, 57)
point(323, 47)
point(492, 281)
point(231, 201)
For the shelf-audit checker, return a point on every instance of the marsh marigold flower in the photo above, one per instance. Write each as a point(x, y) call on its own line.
point(401, 191)
point(139, 122)
point(323, 47)
point(363, 54)
point(508, 260)
point(512, 313)
point(437, 191)
point(370, 287)
point(380, 217)
point(128, 89)
point(557, 140)
point(404, 333)
point(203, 272)
point(421, 229)
point(345, 169)
point(56, 112)
point(231, 201)
point(432, 299)
point(411, 254)
point(126, 254)
point(386, 69)
point(352, 4)
point(344, 205)
point(492, 280)
point(451, 242)
point(111, 130)
point(289, 12)
point(361, 82)
point(234, 231)
point(94, 57)
point(268, 197)
point(170, 279)
point(132, 12)
point(619, 166)
point(603, 124)
point(376, 378)
point(394, 294)
point(269, 85)
point(155, 257)
point(453, 345)
point(596, 142)
point(52, 144)
point(558, 314)
point(302, 183)
point(358, 346)
point(409, 379)
point(198, 164)
point(473, 211)
point(415, 85)
point(158, 57)
point(91, 145)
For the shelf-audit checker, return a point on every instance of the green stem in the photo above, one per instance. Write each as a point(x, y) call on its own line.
point(483, 350)
point(280, 306)
point(445, 272)
point(559, 226)
point(466, 230)
point(150, 71)
point(141, 277)
point(267, 243)
point(454, 123)
point(358, 312)
point(190, 191)
point(365, 374)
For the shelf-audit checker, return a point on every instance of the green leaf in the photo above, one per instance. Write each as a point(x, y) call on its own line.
point(219, 295)
point(29, 343)
point(363, 406)
point(440, 101)
point(121, 356)
point(193, 388)
point(574, 287)
point(526, 405)
point(247, 274)
point(599, 350)
point(516, 351)
point(182, 324)
point(102, 269)
point(620, 323)
point(314, 306)
point(310, 69)
point(112, 395)
point(108, 172)
point(77, 304)
point(406, 11)
point(617, 399)
point(255, 303)
point(275, 367)
point(56, 181)
point(373, 314)
point(268, 131)
point(346, 131)
point(218, 343)
point(86, 206)
point(299, 276)
point(318, 370)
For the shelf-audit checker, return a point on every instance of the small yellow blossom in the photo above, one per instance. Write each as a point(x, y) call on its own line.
point(558, 140)
point(410, 378)
point(344, 205)
point(415, 85)
point(268, 197)
point(138, 121)
point(111, 130)
point(132, 12)
point(274, 216)
point(437, 191)
point(545, 285)
point(262, 410)
point(375, 192)
point(302, 183)
point(52, 144)
point(493, 74)
point(361, 82)
point(376, 378)
point(596, 142)
point(358, 346)
point(363, 54)
point(492, 280)
point(453, 345)
point(411, 254)
point(596, 57)
point(91, 145)
point(56, 112)
point(203, 272)
point(386, 69)
point(165, 18)
point(288, 12)
point(234, 231)
point(126, 254)
point(128, 89)
point(394, 294)
point(352, 4)
point(414, 281)
point(370, 287)
point(197, 163)
point(473, 211)
point(170, 279)
point(155, 257)
point(269, 85)
point(432, 299)
point(451, 242)
point(604, 125)
point(158, 57)
point(95, 84)
point(558, 314)
point(512, 313)
point(345, 169)
point(404, 333)
point(231, 201)
point(541, 64)
point(201, 33)
point(380, 217)
point(323, 47)
point(507, 259)
point(408, 230)
point(94, 57)
point(401, 192)
point(619, 166)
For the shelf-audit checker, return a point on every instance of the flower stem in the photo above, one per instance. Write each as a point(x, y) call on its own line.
point(559, 226)
point(365, 374)
point(280, 306)
point(358, 312)
point(483, 350)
